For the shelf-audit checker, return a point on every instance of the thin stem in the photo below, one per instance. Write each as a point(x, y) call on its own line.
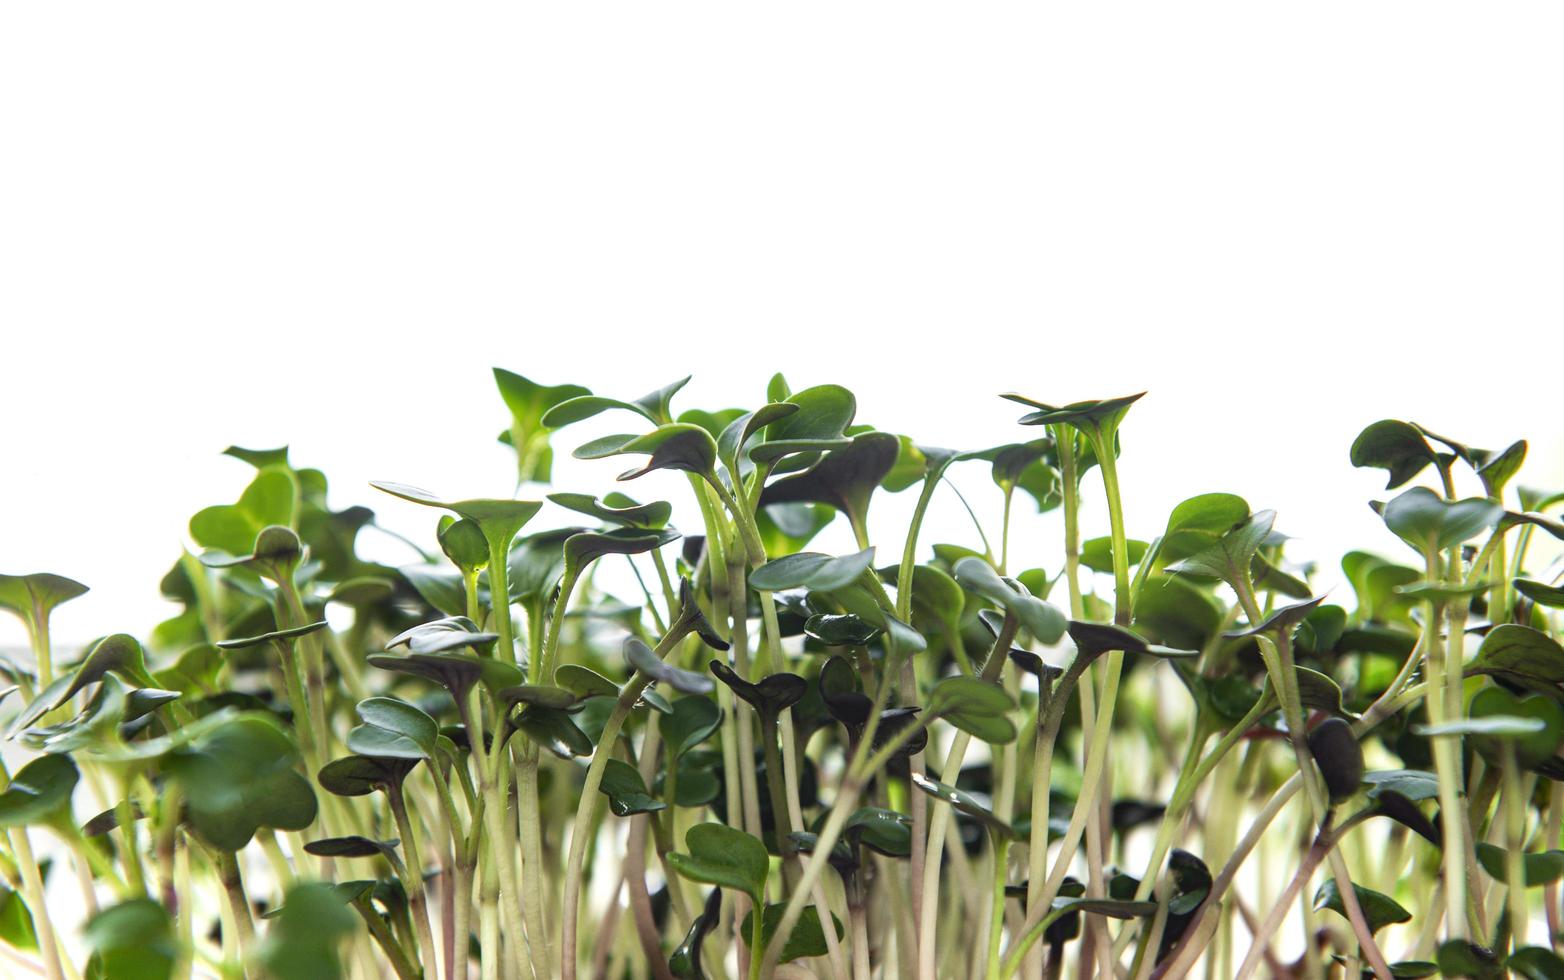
point(413, 882)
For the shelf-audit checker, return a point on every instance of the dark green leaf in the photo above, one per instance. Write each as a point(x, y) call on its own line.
point(133, 940)
point(845, 479)
point(1396, 447)
point(351, 847)
point(616, 508)
point(1536, 963)
point(675, 446)
point(811, 570)
point(642, 658)
point(1038, 617)
point(360, 775)
point(1539, 868)
point(836, 630)
point(393, 729)
point(554, 730)
point(1379, 910)
point(654, 406)
point(39, 791)
point(770, 695)
point(807, 938)
point(1521, 652)
point(304, 942)
point(626, 790)
point(693, 720)
point(975, 706)
point(1428, 522)
point(964, 803)
point(1531, 748)
point(1230, 556)
point(240, 777)
point(720, 855)
point(1095, 639)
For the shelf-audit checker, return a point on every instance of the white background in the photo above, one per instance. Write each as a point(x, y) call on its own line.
point(322, 223)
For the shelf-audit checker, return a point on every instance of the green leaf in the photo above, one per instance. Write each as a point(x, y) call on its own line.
point(1531, 748)
point(675, 446)
point(1536, 963)
point(975, 706)
point(554, 730)
point(16, 921)
point(965, 803)
point(770, 696)
point(1102, 414)
point(584, 682)
point(819, 422)
point(1281, 621)
point(240, 777)
point(1519, 651)
point(736, 431)
point(1394, 446)
point(133, 940)
point(1038, 617)
point(1459, 958)
point(1428, 522)
point(305, 941)
point(1374, 581)
point(40, 791)
point(1230, 556)
point(441, 636)
point(840, 630)
point(626, 790)
point(1414, 784)
point(1199, 523)
point(1498, 469)
point(456, 672)
point(276, 636)
point(393, 729)
point(1379, 910)
point(644, 659)
point(1097, 553)
point(616, 508)
point(360, 775)
point(685, 963)
point(720, 855)
point(1096, 639)
point(538, 695)
point(528, 401)
point(845, 479)
point(692, 722)
point(1172, 609)
point(440, 588)
point(276, 553)
point(1541, 593)
point(351, 846)
point(33, 597)
point(1320, 692)
point(232, 528)
point(807, 938)
point(583, 548)
point(96, 726)
point(1496, 726)
point(1540, 868)
point(499, 519)
point(811, 570)
point(786, 528)
point(463, 542)
point(654, 406)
